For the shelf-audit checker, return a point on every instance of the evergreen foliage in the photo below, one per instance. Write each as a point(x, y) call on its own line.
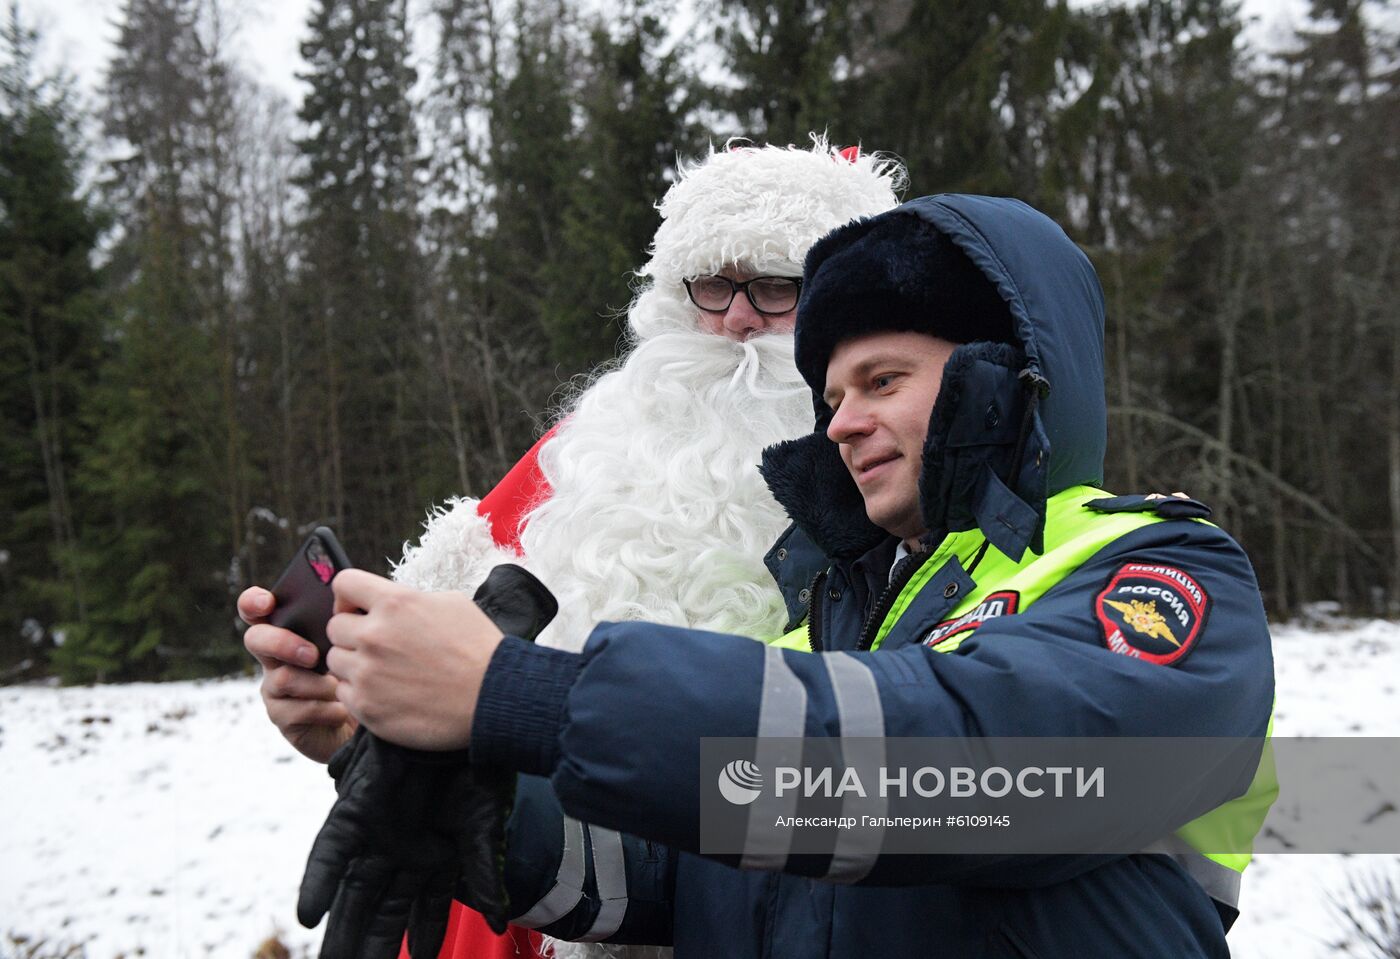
point(534, 159)
point(345, 310)
point(359, 281)
point(790, 63)
point(50, 346)
point(633, 128)
point(148, 550)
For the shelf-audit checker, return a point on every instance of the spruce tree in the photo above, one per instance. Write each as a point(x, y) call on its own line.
point(363, 382)
point(153, 549)
point(791, 62)
point(534, 159)
point(970, 94)
point(633, 129)
point(50, 346)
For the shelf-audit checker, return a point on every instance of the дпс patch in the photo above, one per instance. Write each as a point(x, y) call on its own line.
point(1003, 603)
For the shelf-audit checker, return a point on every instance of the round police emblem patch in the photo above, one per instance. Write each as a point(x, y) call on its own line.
point(1152, 612)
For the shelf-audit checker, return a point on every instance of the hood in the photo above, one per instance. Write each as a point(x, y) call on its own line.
point(1013, 423)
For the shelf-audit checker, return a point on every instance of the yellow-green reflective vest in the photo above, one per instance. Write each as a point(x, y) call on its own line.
point(1073, 534)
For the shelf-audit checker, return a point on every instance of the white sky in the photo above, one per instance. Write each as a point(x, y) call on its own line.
point(79, 34)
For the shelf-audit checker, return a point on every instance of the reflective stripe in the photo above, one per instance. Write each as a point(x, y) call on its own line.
point(568, 885)
point(1220, 882)
point(862, 723)
point(610, 878)
point(782, 718)
point(783, 708)
point(857, 696)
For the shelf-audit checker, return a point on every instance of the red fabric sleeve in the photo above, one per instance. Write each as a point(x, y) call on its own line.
point(520, 489)
point(468, 936)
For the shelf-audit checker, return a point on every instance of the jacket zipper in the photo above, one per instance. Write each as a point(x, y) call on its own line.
point(814, 627)
point(899, 578)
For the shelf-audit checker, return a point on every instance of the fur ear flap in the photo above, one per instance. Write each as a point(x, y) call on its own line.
point(972, 438)
point(810, 482)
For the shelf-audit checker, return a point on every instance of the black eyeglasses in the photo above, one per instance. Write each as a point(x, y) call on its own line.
point(770, 295)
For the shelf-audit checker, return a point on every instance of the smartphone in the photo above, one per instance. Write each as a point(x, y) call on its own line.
point(303, 591)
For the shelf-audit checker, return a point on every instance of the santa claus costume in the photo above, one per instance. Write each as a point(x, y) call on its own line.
point(645, 501)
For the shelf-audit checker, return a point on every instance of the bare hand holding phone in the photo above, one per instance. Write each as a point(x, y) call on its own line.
point(303, 596)
point(299, 696)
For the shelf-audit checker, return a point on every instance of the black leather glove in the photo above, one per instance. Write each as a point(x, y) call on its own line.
point(411, 830)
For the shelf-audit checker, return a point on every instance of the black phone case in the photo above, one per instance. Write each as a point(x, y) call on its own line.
point(303, 591)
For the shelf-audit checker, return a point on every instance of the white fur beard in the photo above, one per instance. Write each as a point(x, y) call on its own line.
point(658, 511)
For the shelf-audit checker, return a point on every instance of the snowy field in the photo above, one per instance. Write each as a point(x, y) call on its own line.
point(172, 821)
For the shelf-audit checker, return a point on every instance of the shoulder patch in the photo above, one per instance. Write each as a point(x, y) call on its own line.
point(1003, 603)
point(1152, 612)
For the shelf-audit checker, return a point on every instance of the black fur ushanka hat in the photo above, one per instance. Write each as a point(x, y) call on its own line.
point(891, 273)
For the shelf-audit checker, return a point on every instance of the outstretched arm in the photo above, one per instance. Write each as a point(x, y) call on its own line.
point(617, 728)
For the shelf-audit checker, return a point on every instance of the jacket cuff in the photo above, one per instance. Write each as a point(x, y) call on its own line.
point(520, 710)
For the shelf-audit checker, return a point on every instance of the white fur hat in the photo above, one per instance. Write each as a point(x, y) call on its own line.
point(760, 207)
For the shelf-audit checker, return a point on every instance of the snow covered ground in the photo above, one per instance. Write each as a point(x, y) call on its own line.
point(168, 818)
point(1338, 679)
point(172, 821)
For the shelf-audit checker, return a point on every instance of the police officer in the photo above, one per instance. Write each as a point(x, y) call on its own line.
point(981, 584)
